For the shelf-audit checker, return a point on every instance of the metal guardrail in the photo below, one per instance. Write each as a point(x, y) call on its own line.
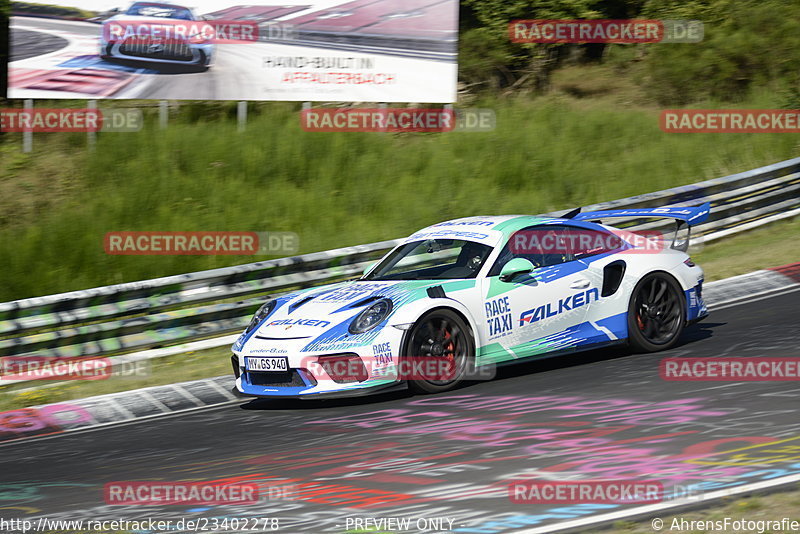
point(177, 309)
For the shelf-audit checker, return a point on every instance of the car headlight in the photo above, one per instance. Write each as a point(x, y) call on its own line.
point(371, 317)
point(260, 315)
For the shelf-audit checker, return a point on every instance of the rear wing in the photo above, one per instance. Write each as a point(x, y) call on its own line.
point(690, 216)
point(684, 216)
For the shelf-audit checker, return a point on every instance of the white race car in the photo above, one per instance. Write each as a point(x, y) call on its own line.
point(457, 298)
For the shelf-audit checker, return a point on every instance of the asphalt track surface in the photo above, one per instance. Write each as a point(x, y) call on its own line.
point(596, 415)
point(237, 73)
point(27, 44)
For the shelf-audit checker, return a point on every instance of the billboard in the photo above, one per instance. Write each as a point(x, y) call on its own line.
point(359, 51)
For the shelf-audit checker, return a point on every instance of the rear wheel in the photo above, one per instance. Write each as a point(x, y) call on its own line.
point(443, 337)
point(656, 313)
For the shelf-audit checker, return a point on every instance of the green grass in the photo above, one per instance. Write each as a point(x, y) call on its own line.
point(771, 246)
point(170, 370)
point(333, 189)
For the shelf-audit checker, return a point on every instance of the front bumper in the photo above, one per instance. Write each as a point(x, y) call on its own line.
point(172, 53)
point(300, 382)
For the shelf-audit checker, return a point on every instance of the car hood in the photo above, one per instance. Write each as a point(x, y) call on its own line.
point(310, 313)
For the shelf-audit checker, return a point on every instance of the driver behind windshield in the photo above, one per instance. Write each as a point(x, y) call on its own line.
point(469, 261)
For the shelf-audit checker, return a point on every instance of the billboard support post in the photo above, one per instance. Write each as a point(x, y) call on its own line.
point(241, 115)
point(91, 136)
point(27, 135)
point(163, 113)
point(383, 106)
point(306, 107)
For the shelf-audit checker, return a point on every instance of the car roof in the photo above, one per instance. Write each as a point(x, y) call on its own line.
point(492, 230)
point(159, 4)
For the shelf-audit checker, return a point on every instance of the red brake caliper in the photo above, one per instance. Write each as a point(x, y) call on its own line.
point(451, 349)
point(450, 346)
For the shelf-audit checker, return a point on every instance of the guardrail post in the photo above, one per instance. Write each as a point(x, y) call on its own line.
point(163, 113)
point(449, 109)
point(91, 136)
point(383, 106)
point(241, 115)
point(27, 134)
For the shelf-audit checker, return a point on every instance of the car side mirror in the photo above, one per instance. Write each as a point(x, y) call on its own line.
point(514, 268)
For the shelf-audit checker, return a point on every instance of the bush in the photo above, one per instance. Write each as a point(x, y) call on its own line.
point(748, 43)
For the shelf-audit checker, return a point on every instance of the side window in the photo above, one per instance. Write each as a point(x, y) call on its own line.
point(586, 242)
point(543, 246)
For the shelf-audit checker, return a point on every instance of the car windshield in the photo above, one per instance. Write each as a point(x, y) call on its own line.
point(160, 11)
point(432, 259)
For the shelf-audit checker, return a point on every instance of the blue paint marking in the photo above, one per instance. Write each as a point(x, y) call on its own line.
point(340, 338)
point(695, 307)
point(618, 324)
point(560, 270)
point(244, 338)
point(248, 387)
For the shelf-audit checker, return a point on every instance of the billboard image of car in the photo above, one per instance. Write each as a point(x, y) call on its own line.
point(316, 50)
point(162, 33)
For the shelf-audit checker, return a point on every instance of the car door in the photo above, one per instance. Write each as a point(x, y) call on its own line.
point(606, 268)
point(541, 312)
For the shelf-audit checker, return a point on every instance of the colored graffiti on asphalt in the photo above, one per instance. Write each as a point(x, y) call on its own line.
point(454, 456)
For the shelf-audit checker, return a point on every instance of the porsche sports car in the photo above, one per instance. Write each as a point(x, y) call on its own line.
point(468, 294)
point(158, 33)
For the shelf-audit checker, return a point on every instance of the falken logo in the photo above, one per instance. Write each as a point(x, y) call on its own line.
point(464, 223)
point(299, 322)
point(551, 309)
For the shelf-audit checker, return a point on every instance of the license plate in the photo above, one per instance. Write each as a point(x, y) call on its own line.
point(269, 365)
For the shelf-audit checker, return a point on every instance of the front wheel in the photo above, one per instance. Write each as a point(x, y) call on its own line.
point(444, 338)
point(656, 313)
